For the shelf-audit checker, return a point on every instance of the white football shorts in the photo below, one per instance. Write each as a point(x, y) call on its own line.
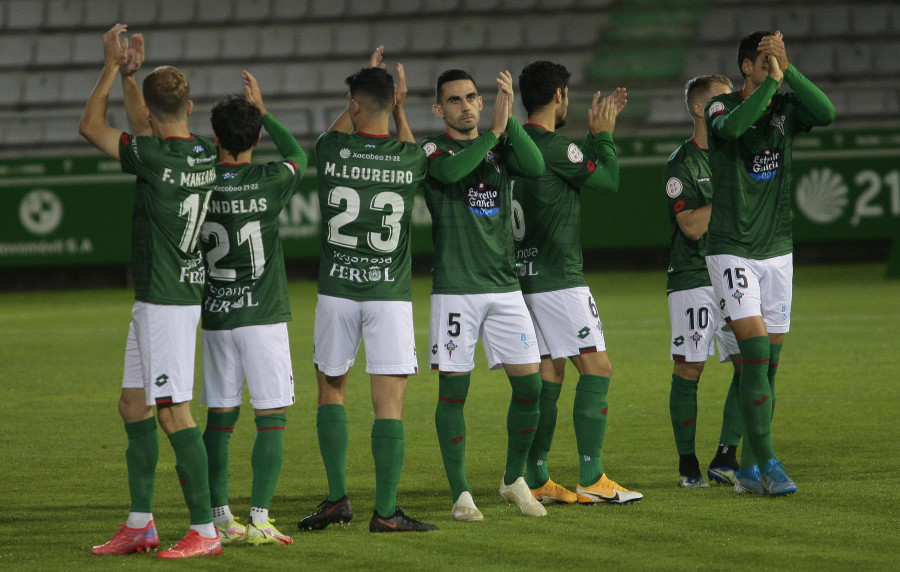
point(566, 322)
point(752, 287)
point(696, 320)
point(386, 327)
point(261, 354)
point(501, 320)
point(160, 350)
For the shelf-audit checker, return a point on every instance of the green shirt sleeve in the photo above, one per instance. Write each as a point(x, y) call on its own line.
point(815, 108)
point(449, 169)
point(525, 158)
point(601, 149)
point(733, 124)
point(285, 142)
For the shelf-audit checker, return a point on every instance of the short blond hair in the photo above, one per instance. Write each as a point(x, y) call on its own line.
point(700, 86)
point(166, 93)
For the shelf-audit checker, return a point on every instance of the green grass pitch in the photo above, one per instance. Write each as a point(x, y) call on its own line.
point(64, 485)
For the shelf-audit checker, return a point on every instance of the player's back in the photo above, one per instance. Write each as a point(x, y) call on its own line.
point(367, 188)
point(174, 177)
point(246, 282)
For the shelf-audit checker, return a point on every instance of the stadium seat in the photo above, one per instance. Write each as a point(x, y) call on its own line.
point(542, 32)
point(795, 22)
point(241, 43)
point(580, 31)
point(749, 20)
point(352, 39)
point(11, 94)
point(101, 13)
point(138, 13)
point(328, 8)
point(854, 59)
point(53, 49)
point(716, 25)
point(87, 48)
point(393, 35)
point(420, 74)
point(16, 50)
point(21, 132)
point(60, 129)
point(163, 47)
point(831, 20)
point(253, 11)
point(42, 88)
point(299, 79)
point(668, 109)
point(278, 41)
point(887, 58)
point(870, 20)
point(214, 12)
point(313, 40)
point(468, 34)
point(24, 15)
point(178, 13)
point(76, 85)
point(511, 35)
point(429, 36)
point(202, 45)
point(63, 14)
point(283, 10)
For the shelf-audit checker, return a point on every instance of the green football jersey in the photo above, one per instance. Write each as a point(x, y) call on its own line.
point(367, 187)
point(547, 210)
point(471, 217)
point(245, 278)
point(751, 212)
point(174, 177)
point(688, 187)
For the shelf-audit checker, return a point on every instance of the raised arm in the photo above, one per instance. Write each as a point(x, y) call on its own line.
point(599, 145)
point(404, 133)
point(134, 99)
point(285, 142)
point(93, 125)
point(815, 107)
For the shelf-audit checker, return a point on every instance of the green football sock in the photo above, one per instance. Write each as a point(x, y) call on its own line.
point(266, 458)
point(193, 471)
point(732, 419)
point(141, 456)
point(536, 473)
point(589, 418)
point(387, 450)
point(521, 422)
point(683, 412)
point(756, 398)
point(219, 427)
point(334, 437)
point(451, 429)
point(774, 358)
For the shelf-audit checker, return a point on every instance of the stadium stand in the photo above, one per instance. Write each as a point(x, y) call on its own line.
point(301, 50)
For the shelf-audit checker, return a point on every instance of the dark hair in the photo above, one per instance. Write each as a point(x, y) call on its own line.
point(166, 93)
point(539, 80)
point(749, 48)
point(448, 76)
point(702, 84)
point(236, 122)
point(373, 85)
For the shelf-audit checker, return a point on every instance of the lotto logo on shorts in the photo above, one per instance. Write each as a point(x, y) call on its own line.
point(528, 340)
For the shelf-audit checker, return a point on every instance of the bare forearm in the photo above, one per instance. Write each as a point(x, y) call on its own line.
point(134, 106)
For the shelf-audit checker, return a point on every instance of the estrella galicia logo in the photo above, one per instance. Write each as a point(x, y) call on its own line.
point(484, 200)
point(763, 166)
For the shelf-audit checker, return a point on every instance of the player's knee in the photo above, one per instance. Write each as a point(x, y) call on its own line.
point(688, 370)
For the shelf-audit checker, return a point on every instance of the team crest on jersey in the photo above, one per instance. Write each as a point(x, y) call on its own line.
point(574, 153)
point(696, 337)
point(737, 296)
point(674, 187)
point(345, 153)
point(374, 274)
point(198, 148)
point(450, 347)
point(493, 159)
point(778, 121)
point(227, 176)
point(429, 149)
